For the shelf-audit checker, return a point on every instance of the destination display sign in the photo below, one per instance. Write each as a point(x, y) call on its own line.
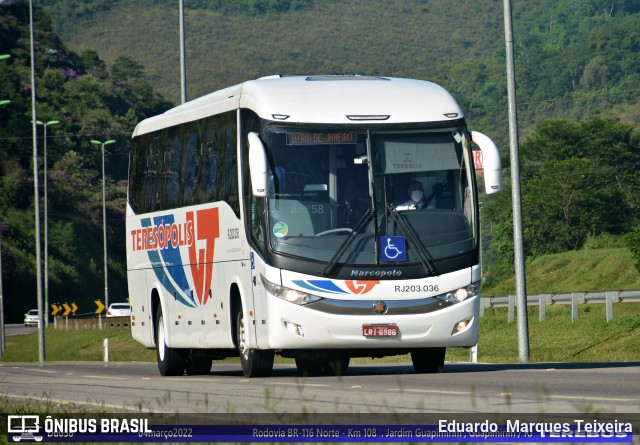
point(321, 137)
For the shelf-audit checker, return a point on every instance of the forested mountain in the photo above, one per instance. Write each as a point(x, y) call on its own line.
point(574, 58)
point(100, 63)
point(91, 100)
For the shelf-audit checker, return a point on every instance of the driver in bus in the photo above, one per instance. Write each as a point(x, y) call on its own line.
point(417, 200)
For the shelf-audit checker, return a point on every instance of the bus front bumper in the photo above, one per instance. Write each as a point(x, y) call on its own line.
point(303, 327)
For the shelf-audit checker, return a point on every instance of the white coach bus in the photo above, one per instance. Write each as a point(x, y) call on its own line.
point(315, 217)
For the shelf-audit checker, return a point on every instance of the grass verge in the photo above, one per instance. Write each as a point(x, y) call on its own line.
point(61, 345)
point(593, 269)
point(556, 339)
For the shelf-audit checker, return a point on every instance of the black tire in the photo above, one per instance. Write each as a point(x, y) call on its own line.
point(428, 360)
point(254, 362)
point(171, 361)
point(338, 366)
point(309, 366)
point(197, 365)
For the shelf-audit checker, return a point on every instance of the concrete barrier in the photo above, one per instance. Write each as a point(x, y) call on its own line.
point(100, 323)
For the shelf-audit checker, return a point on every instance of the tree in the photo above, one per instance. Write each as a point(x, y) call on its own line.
point(579, 179)
point(90, 101)
point(595, 74)
point(126, 69)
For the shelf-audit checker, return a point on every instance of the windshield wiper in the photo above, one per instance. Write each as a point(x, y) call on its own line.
point(423, 256)
point(345, 245)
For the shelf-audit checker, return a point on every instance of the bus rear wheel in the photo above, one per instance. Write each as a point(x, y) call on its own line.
point(254, 362)
point(171, 361)
point(309, 366)
point(339, 365)
point(428, 360)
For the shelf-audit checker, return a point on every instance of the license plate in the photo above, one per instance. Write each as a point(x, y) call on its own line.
point(380, 330)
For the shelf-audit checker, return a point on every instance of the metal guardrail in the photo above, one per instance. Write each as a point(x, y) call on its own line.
point(607, 297)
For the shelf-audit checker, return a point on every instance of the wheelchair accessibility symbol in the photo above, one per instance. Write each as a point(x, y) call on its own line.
point(392, 248)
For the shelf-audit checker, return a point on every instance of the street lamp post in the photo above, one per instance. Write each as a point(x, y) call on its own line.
point(36, 192)
point(516, 194)
point(183, 69)
point(46, 224)
point(2, 336)
point(104, 220)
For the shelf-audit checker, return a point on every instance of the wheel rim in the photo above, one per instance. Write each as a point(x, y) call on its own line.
point(242, 344)
point(161, 350)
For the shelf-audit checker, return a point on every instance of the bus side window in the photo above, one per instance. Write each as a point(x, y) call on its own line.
point(257, 222)
point(254, 206)
point(190, 168)
point(137, 176)
point(228, 187)
point(171, 174)
point(209, 181)
point(151, 192)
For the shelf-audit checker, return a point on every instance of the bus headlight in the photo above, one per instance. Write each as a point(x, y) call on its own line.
point(287, 294)
point(461, 294)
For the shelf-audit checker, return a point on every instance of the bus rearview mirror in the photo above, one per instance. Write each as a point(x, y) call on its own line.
point(491, 161)
point(257, 165)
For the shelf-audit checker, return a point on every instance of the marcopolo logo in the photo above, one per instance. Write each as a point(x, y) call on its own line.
point(375, 273)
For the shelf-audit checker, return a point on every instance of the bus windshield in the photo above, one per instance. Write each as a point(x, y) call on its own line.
point(367, 197)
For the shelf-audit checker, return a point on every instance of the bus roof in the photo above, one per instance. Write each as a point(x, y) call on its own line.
point(321, 100)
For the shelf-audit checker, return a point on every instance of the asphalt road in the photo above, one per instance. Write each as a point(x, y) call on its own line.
point(18, 329)
point(578, 388)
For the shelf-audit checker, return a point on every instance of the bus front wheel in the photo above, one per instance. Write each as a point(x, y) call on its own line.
point(428, 360)
point(171, 361)
point(254, 362)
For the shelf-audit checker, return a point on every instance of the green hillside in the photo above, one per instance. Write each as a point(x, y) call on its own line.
point(404, 38)
point(573, 59)
point(591, 268)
